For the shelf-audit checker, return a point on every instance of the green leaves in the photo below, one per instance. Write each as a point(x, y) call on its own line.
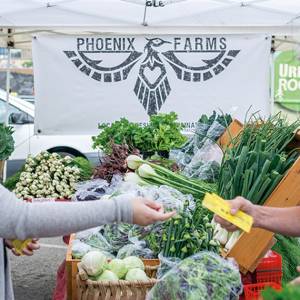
point(166, 132)
point(289, 292)
point(119, 132)
point(6, 141)
point(163, 133)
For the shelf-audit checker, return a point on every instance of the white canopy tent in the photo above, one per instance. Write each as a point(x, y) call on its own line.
point(19, 19)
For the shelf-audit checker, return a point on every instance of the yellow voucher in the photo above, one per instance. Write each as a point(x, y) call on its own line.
point(20, 245)
point(222, 208)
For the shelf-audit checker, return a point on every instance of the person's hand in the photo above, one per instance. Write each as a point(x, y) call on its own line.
point(146, 212)
point(28, 251)
point(296, 281)
point(236, 204)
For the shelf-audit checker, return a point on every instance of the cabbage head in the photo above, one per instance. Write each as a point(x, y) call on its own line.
point(108, 276)
point(136, 274)
point(118, 266)
point(133, 262)
point(93, 262)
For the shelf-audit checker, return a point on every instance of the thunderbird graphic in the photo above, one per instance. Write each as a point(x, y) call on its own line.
point(152, 86)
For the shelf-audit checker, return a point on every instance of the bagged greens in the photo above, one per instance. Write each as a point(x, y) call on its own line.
point(192, 159)
point(203, 276)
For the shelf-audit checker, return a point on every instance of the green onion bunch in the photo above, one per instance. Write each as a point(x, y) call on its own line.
point(257, 160)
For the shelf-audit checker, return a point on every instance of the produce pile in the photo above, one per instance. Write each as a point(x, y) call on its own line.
point(289, 249)
point(289, 292)
point(163, 133)
point(189, 244)
point(121, 240)
point(150, 173)
point(49, 175)
point(256, 163)
point(100, 268)
point(202, 276)
point(253, 167)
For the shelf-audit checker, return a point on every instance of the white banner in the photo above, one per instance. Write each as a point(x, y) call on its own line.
point(81, 81)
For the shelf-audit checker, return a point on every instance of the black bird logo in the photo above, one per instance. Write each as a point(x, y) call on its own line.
point(152, 85)
point(152, 93)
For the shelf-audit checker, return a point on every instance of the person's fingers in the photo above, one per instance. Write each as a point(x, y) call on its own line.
point(33, 246)
point(231, 228)
point(13, 250)
point(298, 269)
point(164, 216)
point(225, 224)
point(27, 252)
point(237, 204)
point(153, 204)
point(222, 222)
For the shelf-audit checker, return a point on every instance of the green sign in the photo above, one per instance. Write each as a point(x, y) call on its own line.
point(287, 79)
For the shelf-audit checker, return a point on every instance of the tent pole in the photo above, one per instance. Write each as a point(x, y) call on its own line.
point(145, 15)
point(7, 100)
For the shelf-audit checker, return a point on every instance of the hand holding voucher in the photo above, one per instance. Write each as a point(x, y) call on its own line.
point(237, 204)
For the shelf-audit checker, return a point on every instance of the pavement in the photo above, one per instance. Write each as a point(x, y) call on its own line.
point(34, 277)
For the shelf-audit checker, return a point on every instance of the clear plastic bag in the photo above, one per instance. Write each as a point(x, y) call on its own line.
point(169, 197)
point(166, 264)
point(90, 190)
point(203, 276)
point(205, 164)
point(200, 156)
point(135, 248)
point(79, 249)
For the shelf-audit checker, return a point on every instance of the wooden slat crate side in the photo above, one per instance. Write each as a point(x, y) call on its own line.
point(251, 247)
point(231, 132)
point(71, 271)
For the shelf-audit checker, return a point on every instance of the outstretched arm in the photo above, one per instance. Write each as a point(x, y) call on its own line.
point(21, 220)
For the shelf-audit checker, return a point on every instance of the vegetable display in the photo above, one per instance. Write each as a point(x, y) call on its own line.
point(157, 175)
point(207, 128)
point(188, 233)
point(163, 133)
point(289, 292)
point(7, 143)
point(289, 249)
point(202, 276)
point(93, 263)
point(256, 163)
point(98, 267)
point(120, 132)
point(114, 163)
point(49, 176)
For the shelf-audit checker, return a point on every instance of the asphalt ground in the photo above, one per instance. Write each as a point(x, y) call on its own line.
point(34, 277)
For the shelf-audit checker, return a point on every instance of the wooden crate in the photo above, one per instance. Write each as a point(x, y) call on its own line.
point(72, 270)
point(251, 247)
point(231, 132)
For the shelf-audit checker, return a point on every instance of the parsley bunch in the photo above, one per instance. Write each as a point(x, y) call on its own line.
point(7, 144)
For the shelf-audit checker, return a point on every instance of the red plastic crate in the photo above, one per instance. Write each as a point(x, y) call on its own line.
point(270, 269)
point(253, 291)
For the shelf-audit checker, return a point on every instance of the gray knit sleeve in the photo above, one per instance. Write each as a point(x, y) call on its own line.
point(21, 220)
